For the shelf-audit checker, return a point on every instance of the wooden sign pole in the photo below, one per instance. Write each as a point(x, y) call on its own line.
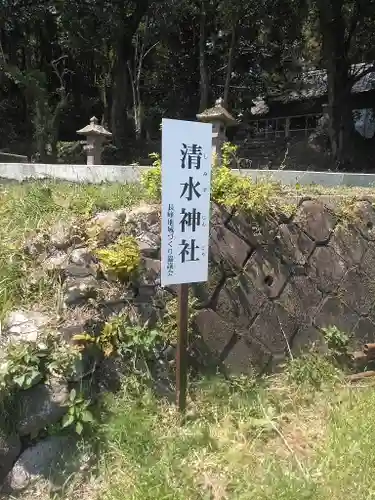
point(182, 344)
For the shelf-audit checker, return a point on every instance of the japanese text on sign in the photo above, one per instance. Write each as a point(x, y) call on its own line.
point(186, 176)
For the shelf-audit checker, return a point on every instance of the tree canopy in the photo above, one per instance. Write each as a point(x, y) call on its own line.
point(132, 62)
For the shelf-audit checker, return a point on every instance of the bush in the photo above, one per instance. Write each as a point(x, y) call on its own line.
point(70, 153)
point(122, 258)
point(227, 188)
point(151, 179)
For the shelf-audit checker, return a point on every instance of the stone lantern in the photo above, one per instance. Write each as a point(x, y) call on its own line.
point(220, 119)
point(95, 138)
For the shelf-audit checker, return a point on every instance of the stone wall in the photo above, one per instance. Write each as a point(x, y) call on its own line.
point(273, 287)
point(98, 174)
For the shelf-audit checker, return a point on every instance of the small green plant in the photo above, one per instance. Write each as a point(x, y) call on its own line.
point(27, 363)
point(78, 415)
point(311, 368)
point(151, 179)
point(122, 258)
point(337, 341)
point(62, 359)
point(119, 335)
point(227, 188)
point(139, 340)
point(21, 367)
point(228, 152)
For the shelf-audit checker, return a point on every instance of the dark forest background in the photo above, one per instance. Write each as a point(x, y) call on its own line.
point(131, 63)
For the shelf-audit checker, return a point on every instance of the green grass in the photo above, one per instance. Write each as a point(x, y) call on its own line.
point(25, 208)
point(242, 440)
point(301, 435)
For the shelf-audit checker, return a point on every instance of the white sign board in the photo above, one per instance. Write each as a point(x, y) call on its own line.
point(186, 179)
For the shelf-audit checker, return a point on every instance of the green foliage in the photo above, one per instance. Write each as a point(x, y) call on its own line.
point(122, 258)
point(78, 415)
point(120, 336)
point(312, 369)
point(21, 367)
point(233, 191)
point(151, 179)
point(168, 324)
point(25, 364)
point(70, 153)
point(337, 341)
point(259, 199)
point(228, 152)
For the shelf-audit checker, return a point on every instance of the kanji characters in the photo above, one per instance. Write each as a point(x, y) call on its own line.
point(191, 156)
point(190, 189)
point(188, 252)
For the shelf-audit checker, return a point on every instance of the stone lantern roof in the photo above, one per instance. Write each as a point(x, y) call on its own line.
point(94, 130)
point(217, 114)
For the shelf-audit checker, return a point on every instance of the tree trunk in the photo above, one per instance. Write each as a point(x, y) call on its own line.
point(204, 83)
point(338, 77)
point(119, 111)
point(230, 65)
point(120, 86)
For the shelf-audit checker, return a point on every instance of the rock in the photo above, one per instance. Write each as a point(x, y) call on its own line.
point(145, 218)
point(25, 326)
point(110, 373)
point(364, 332)
point(80, 290)
point(10, 448)
point(150, 274)
point(273, 328)
point(267, 273)
point(106, 227)
point(247, 356)
point(215, 331)
point(207, 292)
point(55, 262)
point(327, 269)
point(301, 298)
point(36, 245)
point(335, 313)
point(357, 290)
point(239, 301)
point(81, 256)
point(315, 220)
point(365, 219)
point(63, 235)
point(307, 337)
point(40, 462)
point(227, 249)
point(368, 262)
point(40, 406)
point(254, 233)
point(348, 244)
point(68, 332)
point(78, 271)
point(295, 245)
point(149, 245)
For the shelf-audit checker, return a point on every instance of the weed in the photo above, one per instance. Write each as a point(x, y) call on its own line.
point(311, 369)
point(151, 179)
point(122, 258)
point(25, 364)
point(227, 188)
point(120, 336)
point(78, 415)
point(337, 341)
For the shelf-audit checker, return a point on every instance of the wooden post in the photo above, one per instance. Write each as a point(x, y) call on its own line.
point(182, 343)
